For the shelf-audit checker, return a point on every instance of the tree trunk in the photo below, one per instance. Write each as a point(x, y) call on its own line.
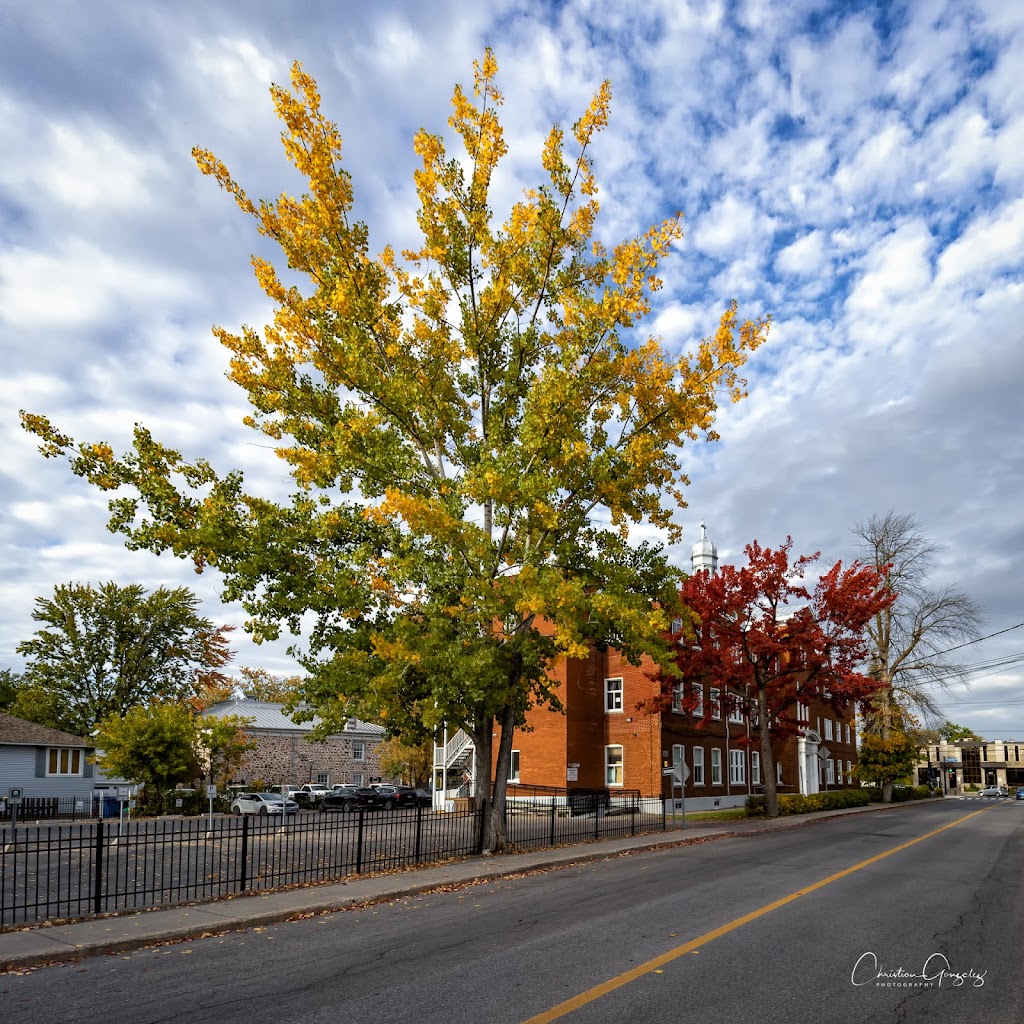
point(495, 835)
point(771, 792)
point(885, 718)
point(483, 743)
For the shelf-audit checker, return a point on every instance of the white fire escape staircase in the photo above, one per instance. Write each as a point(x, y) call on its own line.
point(455, 767)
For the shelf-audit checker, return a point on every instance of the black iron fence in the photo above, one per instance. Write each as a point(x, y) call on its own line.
point(50, 871)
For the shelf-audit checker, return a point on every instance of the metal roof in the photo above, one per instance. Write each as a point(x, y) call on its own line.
point(272, 718)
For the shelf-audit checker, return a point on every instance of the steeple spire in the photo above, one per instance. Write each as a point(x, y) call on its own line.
point(704, 554)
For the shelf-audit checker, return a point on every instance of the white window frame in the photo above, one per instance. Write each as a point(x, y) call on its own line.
point(677, 698)
point(737, 768)
point(613, 696)
point(716, 766)
point(64, 762)
point(736, 713)
point(359, 750)
point(828, 728)
point(698, 693)
point(847, 732)
point(755, 768)
point(358, 779)
point(698, 766)
point(513, 766)
point(830, 772)
point(716, 704)
point(323, 778)
point(849, 773)
point(778, 773)
point(614, 774)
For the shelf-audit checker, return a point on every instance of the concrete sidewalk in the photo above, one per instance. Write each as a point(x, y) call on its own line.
point(24, 946)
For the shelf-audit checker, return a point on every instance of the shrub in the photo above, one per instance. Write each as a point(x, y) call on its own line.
point(797, 803)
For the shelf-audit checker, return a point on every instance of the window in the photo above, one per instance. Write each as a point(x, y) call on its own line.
point(698, 696)
point(828, 728)
point(716, 766)
point(830, 771)
point(849, 773)
point(698, 766)
point(737, 767)
point(613, 766)
point(736, 713)
point(778, 773)
point(358, 779)
point(847, 732)
point(358, 750)
point(613, 695)
point(677, 697)
point(323, 778)
point(64, 761)
point(755, 768)
point(716, 704)
point(513, 766)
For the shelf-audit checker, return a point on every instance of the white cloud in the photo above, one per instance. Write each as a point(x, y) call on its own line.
point(732, 226)
point(804, 256)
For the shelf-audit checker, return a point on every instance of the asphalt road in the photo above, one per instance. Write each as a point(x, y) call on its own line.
point(840, 920)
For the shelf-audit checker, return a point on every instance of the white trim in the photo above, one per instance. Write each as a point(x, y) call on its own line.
point(613, 696)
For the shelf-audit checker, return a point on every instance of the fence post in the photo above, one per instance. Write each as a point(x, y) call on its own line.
point(636, 811)
point(97, 883)
point(359, 843)
point(552, 842)
point(419, 829)
point(664, 816)
point(243, 874)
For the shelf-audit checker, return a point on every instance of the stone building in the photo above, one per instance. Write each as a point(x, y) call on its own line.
point(976, 763)
point(286, 753)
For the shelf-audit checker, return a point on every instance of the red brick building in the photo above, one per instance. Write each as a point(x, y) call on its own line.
point(605, 740)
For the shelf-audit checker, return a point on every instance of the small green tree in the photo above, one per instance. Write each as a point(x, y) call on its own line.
point(951, 733)
point(221, 746)
point(154, 745)
point(883, 760)
point(410, 761)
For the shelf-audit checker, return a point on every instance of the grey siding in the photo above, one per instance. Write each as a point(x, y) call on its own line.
point(18, 767)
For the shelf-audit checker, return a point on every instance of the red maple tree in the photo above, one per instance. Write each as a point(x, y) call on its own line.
point(767, 642)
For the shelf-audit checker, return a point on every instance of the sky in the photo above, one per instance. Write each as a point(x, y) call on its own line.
point(854, 169)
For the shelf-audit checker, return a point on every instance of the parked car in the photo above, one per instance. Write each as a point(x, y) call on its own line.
point(393, 797)
point(310, 793)
point(263, 804)
point(994, 791)
point(1019, 795)
point(350, 798)
point(288, 791)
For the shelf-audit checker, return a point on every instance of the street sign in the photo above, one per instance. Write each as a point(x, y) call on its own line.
point(211, 790)
point(679, 772)
point(14, 794)
point(824, 753)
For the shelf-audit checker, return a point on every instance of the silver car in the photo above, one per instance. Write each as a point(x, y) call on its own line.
point(263, 803)
point(994, 791)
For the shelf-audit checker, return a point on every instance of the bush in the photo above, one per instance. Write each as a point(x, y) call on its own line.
point(797, 803)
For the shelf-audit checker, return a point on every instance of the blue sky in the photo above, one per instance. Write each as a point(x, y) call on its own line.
point(855, 169)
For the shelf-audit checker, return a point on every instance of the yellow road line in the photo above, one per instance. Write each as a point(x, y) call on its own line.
point(562, 1009)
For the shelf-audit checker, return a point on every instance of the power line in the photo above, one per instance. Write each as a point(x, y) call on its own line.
point(1008, 629)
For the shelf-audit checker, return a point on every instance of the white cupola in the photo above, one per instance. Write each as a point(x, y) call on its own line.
point(704, 554)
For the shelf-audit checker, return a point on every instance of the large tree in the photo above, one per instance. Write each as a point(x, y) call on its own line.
point(768, 642)
point(910, 637)
point(473, 427)
point(103, 650)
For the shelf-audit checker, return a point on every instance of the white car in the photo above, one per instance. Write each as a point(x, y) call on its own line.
point(994, 791)
point(263, 803)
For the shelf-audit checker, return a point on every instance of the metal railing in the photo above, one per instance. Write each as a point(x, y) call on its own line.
point(53, 871)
